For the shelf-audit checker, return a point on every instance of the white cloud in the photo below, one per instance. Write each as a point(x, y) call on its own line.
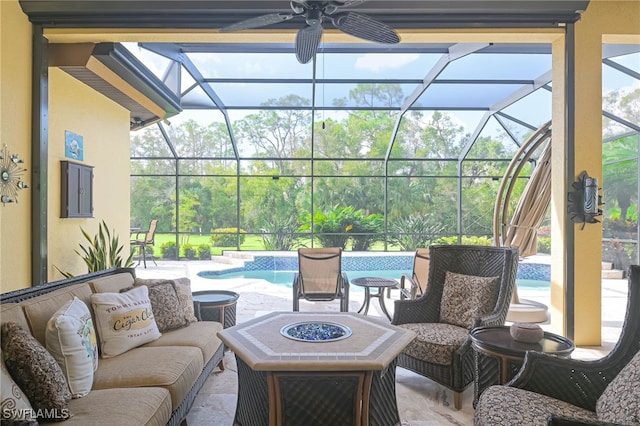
point(377, 62)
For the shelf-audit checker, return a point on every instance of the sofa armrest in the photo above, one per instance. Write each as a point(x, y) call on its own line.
point(577, 382)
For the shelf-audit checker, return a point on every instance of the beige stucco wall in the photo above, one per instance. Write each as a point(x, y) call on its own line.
point(15, 133)
point(72, 106)
point(104, 126)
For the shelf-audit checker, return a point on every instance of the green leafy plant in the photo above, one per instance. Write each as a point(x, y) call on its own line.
point(169, 250)
point(367, 230)
point(204, 252)
point(104, 251)
point(189, 251)
point(277, 235)
point(414, 232)
point(227, 237)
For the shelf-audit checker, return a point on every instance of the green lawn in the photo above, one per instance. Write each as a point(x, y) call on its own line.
point(251, 242)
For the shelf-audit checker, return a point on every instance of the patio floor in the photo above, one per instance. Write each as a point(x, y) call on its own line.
point(258, 297)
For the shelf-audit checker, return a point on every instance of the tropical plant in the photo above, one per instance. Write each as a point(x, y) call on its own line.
point(277, 235)
point(367, 230)
point(414, 232)
point(104, 251)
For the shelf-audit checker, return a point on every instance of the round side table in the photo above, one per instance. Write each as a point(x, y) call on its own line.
point(498, 356)
point(375, 282)
point(216, 305)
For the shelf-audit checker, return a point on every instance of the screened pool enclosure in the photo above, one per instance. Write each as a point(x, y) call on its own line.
point(367, 146)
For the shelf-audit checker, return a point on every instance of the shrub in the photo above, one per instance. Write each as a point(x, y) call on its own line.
point(371, 225)
point(204, 252)
point(226, 237)
point(466, 240)
point(169, 250)
point(544, 245)
point(189, 251)
point(414, 232)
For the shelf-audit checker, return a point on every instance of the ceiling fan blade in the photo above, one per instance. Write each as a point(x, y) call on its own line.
point(258, 21)
point(348, 3)
point(363, 26)
point(307, 41)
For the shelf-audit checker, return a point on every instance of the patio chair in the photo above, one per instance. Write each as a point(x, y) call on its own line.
point(412, 286)
point(564, 391)
point(320, 277)
point(147, 240)
point(469, 286)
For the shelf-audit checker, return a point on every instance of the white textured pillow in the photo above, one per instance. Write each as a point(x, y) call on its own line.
point(15, 405)
point(124, 320)
point(71, 339)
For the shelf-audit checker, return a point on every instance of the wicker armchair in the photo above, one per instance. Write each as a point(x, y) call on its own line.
point(564, 391)
point(444, 354)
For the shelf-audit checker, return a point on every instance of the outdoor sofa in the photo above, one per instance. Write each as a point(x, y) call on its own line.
point(153, 383)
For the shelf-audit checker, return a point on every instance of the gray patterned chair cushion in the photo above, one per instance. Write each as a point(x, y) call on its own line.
point(620, 401)
point(466, 297)
point(435, 342)
point(506, 406)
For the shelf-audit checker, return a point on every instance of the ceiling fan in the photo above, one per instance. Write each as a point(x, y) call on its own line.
point(314, 12)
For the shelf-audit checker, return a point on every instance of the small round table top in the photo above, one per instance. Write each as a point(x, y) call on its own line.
point(498, 339)
point(374, 282)
point(215, 296)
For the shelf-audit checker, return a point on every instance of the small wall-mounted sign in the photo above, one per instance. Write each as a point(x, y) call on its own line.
point(73, 146)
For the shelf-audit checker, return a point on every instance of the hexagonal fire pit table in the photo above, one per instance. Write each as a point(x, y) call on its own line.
point(316, 368)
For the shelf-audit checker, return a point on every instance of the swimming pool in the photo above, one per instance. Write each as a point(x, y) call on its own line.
point(285, 278)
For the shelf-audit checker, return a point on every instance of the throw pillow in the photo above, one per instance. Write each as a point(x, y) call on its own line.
point(183, 288)
point(620, 401)
point(36, 372)
point(124, 320)
point(466, 297)
point(166, 306)
point(15, 405)
point(71, 339)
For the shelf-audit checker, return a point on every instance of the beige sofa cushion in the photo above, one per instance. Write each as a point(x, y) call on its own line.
point(40, 309)
point(125, 406)
point(112, 283)
point(201, 334)
point(13, 312)
point(173, 368)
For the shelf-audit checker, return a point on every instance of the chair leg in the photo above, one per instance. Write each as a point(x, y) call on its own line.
point(457, 400)
point(143, 252)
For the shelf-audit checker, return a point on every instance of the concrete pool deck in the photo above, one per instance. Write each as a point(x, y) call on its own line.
point(421, 402)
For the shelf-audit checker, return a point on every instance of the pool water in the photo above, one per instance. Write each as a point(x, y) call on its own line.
point(285, 278)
